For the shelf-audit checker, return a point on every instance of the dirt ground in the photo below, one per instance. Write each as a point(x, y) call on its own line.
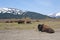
point(28, 35)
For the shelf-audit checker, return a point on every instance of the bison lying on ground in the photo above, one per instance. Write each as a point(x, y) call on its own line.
point(45, 28)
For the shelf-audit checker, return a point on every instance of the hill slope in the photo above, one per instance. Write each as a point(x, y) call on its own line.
point(34, 15)
point(9, 13)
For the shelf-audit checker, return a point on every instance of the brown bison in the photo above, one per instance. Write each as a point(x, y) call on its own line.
point(21, 21)
point(7, 22)
point(45, 28)
point(28, 22)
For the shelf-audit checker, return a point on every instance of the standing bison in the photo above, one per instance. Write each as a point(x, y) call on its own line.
point(21, 21)
point(45, 28)
point(28, 22)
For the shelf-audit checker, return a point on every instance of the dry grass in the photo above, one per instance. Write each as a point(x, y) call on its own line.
point(16, 26)
point(51, 23)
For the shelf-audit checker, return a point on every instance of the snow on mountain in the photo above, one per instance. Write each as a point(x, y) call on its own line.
point(11, 10)
point(52, 15)
point(57, 15)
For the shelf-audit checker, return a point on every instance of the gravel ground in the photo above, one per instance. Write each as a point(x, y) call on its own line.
point(28, 35)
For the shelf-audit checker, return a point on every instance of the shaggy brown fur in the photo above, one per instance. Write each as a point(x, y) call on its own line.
point(21, 21)
point(45, 28)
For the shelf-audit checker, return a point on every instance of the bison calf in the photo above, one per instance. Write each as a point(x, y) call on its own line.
point(45, 28)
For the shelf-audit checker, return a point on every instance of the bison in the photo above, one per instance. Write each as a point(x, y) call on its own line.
point(21, 21)
point(45, 28)
point(28, 22)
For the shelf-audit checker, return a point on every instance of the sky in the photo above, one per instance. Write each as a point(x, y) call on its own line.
point(41, 6)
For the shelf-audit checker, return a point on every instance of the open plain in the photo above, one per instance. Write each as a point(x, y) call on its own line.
point(15, 31)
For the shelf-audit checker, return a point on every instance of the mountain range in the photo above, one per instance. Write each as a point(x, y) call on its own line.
point(9, 13)
point(55, 15)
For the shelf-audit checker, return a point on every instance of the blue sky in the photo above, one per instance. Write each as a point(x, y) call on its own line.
point(41, 6)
